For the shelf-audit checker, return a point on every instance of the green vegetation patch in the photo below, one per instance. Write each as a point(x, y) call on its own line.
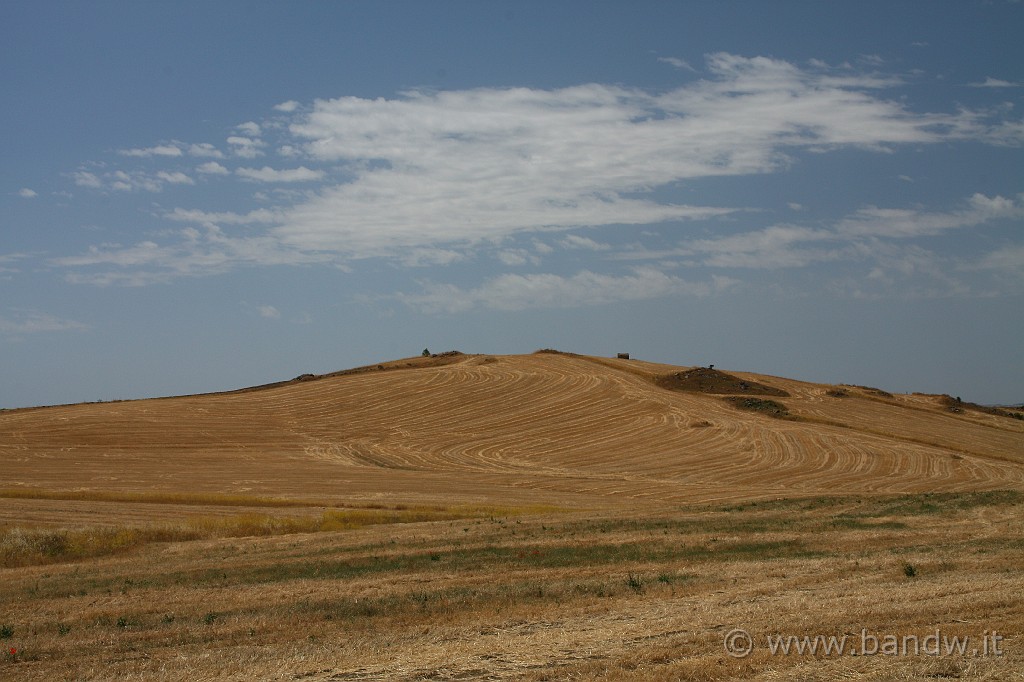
point(913, 504)
point(941, 503)
point(507, 557)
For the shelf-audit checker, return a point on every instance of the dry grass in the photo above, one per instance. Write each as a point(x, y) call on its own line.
point(544, 517)
point(144, 497)
point(616, 596)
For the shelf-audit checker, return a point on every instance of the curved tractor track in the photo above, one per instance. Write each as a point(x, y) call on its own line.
point(548, 427)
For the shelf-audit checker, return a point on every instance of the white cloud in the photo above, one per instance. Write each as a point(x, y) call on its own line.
point(454, 171)
point(9, 259)
point(1006, 134)
point(795, 206)
point(124, 181)
point(27, 193)
point(121, 185)
point(907, 270)
point(268, 174)
point(516, 257)
point(212, 168)
point(994, 83)
point(467, 165)
point(137, 278)
point(677, 63)
point(868, 234)
point(573, 241)
point(205, 149)
point(261, 215)
point(245, 147)
point(159, 150)
point(87, 179)
point(585, 288)
point(287, 107)
point(250, 128)
point(269, 312)
point(905, 223)
point(175, 178)
point(127, 182)
point(34, 322)
point(196, 253)
point(425, 257)
point(1009, 258)
point(542, 248)
point(778, 246)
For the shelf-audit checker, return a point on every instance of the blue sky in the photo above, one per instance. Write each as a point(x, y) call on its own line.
point(204, 196)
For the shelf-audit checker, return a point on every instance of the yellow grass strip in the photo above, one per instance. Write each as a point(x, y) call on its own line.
point(25, 547)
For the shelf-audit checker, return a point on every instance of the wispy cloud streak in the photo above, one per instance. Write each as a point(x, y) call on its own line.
point(453, 170)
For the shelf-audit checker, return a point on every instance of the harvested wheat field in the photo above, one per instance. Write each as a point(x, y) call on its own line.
point(540, 517)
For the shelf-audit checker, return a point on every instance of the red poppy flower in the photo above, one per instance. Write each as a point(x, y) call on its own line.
point(14, 652)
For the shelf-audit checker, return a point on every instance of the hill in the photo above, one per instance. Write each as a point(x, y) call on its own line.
point(550, 427)
point(538, 517)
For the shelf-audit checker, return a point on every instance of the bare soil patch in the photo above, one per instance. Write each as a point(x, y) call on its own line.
point(771, 408)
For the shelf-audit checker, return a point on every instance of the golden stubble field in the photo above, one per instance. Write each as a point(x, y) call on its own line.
point(538, 517)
